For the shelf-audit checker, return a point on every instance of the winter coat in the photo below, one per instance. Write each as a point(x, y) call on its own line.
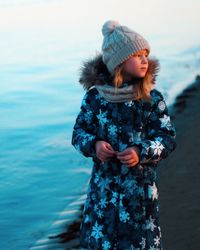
point(121, 210)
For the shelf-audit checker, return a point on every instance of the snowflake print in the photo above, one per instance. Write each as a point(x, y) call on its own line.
point(104, 183)
point(115, 194)
point(150, 224)
point(96, 179)
point(98, 97)
point(117, 179)
point(106, 245)
point(114, 201)
point(114, 198)
point(129, 103)
point(157, 241)
point(143, 243)
point(157, 147)
point(103, 102)
point(130, 185)
point(103, 203)
point(100, 214)
point(96, 208)
point(165, 122)
point(152, 248)
point(97, 231)
point(160, 139)
point(90, 137)
point(153, 192)
point(120, 199)
point(112, 129)
point(87, 138)
point(124, 216)
point(88, 116)
point(102, 116)
point(84, 141)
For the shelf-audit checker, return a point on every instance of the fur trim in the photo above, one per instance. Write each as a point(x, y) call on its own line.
point(94, 71)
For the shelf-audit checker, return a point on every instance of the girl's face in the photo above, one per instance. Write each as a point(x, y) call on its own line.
point(136, 65)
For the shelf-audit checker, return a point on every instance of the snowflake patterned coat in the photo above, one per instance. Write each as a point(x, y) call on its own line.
point(121, 210)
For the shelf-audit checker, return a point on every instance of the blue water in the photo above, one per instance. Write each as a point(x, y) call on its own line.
point(41, 174)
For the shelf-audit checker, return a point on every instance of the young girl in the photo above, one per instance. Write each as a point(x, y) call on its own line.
point(125, 127)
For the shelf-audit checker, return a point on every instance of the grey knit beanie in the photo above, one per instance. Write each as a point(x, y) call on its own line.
point(119, 43)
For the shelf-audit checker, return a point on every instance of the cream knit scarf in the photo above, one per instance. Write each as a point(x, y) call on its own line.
point(113, 94)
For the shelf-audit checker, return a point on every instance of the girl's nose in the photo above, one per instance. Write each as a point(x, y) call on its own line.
point(144, 59)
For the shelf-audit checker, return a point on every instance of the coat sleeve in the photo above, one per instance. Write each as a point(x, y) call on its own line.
point(85, 128)
point(161, 134)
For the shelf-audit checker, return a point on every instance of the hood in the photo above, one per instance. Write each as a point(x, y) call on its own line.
point(94, 72)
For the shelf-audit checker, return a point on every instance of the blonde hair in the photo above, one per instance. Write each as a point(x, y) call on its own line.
point(142, 86)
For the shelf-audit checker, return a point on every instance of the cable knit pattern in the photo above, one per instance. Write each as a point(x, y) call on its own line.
point(119, 43)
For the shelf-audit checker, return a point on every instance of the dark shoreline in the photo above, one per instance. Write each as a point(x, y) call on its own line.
point(178, 180)
point(179, 176)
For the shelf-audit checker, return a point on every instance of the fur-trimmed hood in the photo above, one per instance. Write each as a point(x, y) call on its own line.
point(94, 72)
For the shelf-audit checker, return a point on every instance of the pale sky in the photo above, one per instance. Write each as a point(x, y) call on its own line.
point(155, 16)
point(26, 23)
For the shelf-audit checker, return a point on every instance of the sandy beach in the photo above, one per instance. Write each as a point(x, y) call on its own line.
point(178, 180)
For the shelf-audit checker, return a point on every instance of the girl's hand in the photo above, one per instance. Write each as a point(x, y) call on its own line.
point(104, 150)
point(130, 156)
